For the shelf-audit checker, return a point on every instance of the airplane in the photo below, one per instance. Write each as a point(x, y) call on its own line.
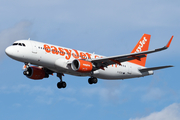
point(42, 59)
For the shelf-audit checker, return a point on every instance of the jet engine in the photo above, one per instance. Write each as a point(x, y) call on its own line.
point(81, 65)
point(35, 73)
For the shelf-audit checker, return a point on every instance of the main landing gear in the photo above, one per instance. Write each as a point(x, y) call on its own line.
point(61, 84)
point(92, 80)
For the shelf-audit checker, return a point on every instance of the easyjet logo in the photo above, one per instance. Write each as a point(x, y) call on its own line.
point(142, 42)
point(67, 53)
point(87, 65)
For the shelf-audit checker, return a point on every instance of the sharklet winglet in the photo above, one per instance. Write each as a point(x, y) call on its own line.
point(169, 42)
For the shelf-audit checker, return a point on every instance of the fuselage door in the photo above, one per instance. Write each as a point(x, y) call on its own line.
point(130, 69)
point(34, 47)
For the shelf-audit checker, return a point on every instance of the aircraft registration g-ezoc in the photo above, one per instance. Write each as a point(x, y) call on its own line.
point(48, 59)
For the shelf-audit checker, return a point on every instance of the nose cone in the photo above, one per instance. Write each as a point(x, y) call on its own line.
point(9, 51)
point(14, 53)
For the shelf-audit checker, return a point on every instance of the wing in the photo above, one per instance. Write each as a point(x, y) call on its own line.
point(100, 63)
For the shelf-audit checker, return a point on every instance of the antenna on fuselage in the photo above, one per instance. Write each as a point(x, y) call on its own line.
point(28, 38)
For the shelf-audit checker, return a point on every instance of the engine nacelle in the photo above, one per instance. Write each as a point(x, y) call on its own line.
point(81, 65)
point(35, 73)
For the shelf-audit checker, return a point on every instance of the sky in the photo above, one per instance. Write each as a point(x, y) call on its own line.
point(106, 27)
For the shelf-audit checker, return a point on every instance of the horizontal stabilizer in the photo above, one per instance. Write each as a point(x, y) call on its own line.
point(154, 68)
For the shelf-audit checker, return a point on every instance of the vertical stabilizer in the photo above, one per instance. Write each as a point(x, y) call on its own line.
point(141, 46)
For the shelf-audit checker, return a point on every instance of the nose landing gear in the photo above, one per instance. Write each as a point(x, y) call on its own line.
point(27, 70)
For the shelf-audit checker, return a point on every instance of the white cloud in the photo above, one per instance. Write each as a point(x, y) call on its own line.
point(153, 94)
point(172, 112)
point(44, 100)
point(25, 88)
point(115, 12)
point(110, 93)
point(69, 99)
point(40, 89)
point(8, 36)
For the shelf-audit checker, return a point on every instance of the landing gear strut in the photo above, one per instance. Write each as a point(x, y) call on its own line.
point(61, 84)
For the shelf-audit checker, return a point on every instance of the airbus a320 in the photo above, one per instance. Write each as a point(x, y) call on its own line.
point(42, 59)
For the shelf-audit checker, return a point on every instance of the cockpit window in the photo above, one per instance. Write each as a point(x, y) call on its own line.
point(20, 44)
point(15, 44)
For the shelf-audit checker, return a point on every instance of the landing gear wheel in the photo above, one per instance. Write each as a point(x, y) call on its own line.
point(95, 80)
point(61, 84)
point(25, 72)
point(92, 80)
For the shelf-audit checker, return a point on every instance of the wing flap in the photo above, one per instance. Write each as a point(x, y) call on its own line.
point(154, 68)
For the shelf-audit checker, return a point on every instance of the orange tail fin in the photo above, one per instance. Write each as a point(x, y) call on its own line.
point(142, 45)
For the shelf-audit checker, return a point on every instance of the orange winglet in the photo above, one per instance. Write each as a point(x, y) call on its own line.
point(169, 42)
point(115, 61)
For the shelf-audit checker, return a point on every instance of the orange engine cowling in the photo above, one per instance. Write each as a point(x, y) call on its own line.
point(35, 73)
point(81, 66)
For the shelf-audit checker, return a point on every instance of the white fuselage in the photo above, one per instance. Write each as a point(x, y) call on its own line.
point(59, 59)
